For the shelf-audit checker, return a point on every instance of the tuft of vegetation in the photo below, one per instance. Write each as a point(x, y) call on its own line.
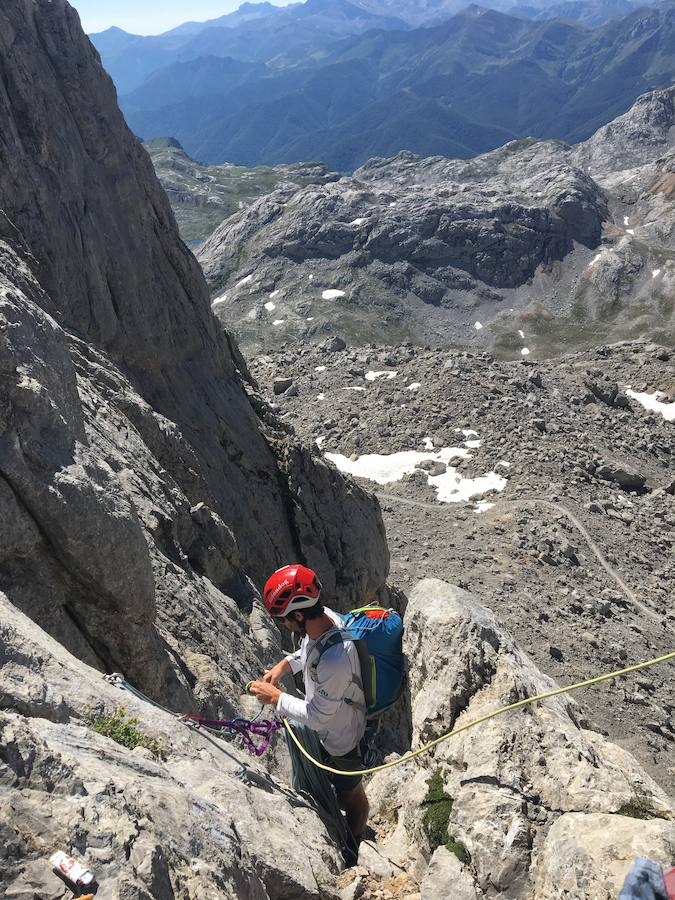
point(460, 851)
point(438, 806)
point(123, 731)
point(639, 808)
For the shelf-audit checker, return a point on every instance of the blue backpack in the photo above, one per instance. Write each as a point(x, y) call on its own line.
point(378, 636)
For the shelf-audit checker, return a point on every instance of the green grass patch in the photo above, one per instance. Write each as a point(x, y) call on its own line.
point(437, 808)
point(123, 731)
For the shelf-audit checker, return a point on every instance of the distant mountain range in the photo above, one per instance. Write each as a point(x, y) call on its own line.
point(343, 81)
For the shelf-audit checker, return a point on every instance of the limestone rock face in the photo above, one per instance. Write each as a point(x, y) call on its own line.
point(526, 787)
point(446, 873)
point(150, 828)
point(403, 234)
point(634, 139)
point(589, 855)
point(150, 491)
point(571, 244)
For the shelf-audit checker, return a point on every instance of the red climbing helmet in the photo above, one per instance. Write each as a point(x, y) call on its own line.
point(290, 588)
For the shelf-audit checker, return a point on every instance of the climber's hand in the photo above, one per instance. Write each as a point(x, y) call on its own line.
point(276, 673)
point(265, 693)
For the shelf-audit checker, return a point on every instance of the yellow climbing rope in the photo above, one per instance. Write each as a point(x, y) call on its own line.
point(479, 721)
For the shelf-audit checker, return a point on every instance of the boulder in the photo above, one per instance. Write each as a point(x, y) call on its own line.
point(589, 856)
point(627, 479)
point(511, 779)
point(447, 873)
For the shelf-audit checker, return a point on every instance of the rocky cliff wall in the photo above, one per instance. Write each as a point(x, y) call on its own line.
point(148, 489)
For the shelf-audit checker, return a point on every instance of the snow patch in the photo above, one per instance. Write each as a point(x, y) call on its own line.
point(477, 326)
point(274, 294)
point(320, 441)
point(414, 386)
point(320, 396)
point(630, 231)
point(354, 388)
point(358, 222)
point(483, 506)
point(450, 487)
point(626, 221)
point(652, 402)
point(220, 299)
point(278, 322)
point(656, 273)
point(428, 444)
point(332, 294)
point(244, 281)
point(373, 376)
point(252, 314)
point(525, 351)
point(320, 369)
point(270, 306)
point(522, 334)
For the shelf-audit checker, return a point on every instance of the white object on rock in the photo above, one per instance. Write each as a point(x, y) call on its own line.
point(71, 868)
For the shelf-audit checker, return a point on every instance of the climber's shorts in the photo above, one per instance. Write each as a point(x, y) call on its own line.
point(350, 762)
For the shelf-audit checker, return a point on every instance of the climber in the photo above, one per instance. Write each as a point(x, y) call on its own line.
point(334, 704)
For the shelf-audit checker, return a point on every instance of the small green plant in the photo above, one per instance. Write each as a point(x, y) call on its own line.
point(438, 806)
point(123, 731)
point(460, 851)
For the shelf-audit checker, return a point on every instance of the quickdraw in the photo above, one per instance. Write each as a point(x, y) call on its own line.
point(244, 728)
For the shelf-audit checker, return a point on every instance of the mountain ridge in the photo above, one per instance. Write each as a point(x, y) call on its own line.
point(509, 75)
point(451, 252)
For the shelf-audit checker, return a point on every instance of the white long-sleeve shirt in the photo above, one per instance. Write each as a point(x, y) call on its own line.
point(340, 725)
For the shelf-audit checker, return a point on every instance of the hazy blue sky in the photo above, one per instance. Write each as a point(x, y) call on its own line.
point(151, 16)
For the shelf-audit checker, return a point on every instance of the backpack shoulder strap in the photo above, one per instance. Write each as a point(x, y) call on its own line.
point(332, 639)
